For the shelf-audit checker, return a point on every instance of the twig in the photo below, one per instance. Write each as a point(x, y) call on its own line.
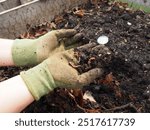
point(129, 105)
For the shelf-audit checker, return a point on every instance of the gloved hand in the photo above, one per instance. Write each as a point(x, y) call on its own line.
point(57, 72)
point(26, 52)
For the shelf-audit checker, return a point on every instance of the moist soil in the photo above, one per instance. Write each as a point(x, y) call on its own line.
point(125, 84)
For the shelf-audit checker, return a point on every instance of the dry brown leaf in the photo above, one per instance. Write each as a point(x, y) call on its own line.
point(25, 35)
point(52, 25)
point(79, 13)
point(59, 19)
point(40, 33)
point(108, 79)
point(78, 94)
point(111, 81)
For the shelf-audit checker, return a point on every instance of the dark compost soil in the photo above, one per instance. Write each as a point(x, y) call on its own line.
point(125, 84)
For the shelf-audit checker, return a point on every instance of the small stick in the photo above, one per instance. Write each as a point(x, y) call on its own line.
point(122, 107)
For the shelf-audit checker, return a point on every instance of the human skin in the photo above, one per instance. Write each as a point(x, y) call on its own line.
point(14, 95)
point(5, 52)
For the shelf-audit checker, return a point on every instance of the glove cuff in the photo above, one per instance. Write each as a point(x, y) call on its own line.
point(39, 80)
point(24, 52)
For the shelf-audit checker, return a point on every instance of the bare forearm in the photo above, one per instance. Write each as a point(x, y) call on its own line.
point(14, 95)
point(5, 52)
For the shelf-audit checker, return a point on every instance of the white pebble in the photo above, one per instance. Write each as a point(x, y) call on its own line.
point(129, 23)
point(103, 40)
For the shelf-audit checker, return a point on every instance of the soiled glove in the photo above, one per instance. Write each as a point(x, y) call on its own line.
point(26, 52)
point(57, 72)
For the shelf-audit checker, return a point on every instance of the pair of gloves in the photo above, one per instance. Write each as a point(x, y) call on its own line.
point(51, 55)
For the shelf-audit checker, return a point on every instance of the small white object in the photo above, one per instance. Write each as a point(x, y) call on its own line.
point(129, 23)
point(100, 55)
point(147, 91)
point(108, 53)
point(88, 96)
point(103, 40)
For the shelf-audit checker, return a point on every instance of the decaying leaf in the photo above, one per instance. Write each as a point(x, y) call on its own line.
point(113, 84)
point(108, 79)
point(78, 94)
point(52, 25)
point(88, 96)
point(25, 35)
point(58, 19)
point(79, 12)
point(40, 33)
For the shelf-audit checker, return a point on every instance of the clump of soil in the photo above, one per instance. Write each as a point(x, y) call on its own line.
point(92, 56)
point(126, 65)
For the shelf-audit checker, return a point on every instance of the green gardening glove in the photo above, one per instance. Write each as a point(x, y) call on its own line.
point(56, 72)
point(26, 52)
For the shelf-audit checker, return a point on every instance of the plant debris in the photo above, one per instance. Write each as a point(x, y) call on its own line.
point(125, 59)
